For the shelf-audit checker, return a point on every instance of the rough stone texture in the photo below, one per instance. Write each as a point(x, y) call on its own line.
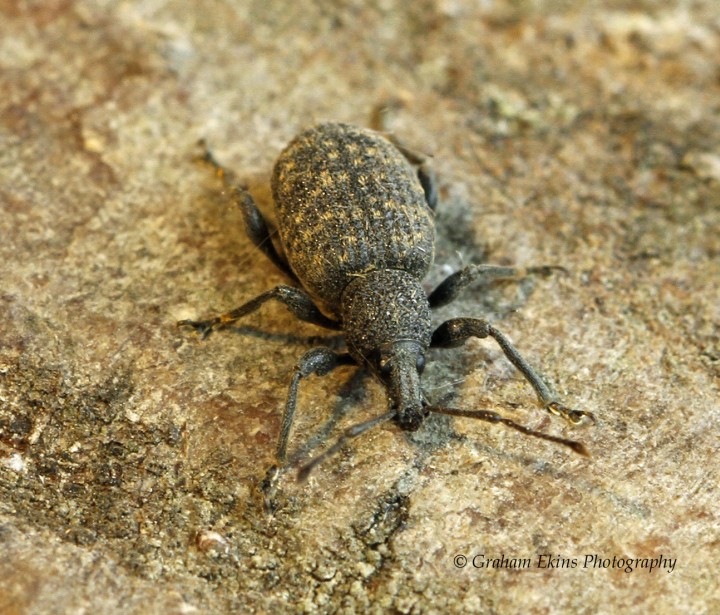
point(573, 133)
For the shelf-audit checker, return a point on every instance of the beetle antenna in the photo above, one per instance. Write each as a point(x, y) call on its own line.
point(351, 432)
point(494, 417)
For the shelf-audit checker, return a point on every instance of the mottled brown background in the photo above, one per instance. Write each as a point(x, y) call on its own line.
point(580, 133)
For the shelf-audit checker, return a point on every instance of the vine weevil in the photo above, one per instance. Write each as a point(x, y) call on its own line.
point(355, 216)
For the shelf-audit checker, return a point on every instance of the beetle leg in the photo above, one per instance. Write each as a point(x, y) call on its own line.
point(258, 231)
point(319, 361)
point(425, 173)
point(256, 226)
point(429, 183)
point(457, 331)
point(494, 417)
point(351, 432)
point(450, 288)
point(295, 299)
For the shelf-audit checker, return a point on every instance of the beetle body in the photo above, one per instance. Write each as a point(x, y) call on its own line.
point(359, 234)
point(348, 203)
point(355, 219)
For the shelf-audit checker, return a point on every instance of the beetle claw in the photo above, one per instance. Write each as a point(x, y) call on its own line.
point(574, 417)
point(202, 327)
point(268, 489)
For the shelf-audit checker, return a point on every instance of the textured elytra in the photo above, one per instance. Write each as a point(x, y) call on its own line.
point(349, 202)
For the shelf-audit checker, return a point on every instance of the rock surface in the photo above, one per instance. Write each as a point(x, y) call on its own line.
point(130, 452)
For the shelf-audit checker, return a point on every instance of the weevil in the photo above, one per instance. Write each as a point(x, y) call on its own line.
point(355, 213)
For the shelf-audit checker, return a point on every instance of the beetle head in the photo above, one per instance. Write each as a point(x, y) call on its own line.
point(386, 319)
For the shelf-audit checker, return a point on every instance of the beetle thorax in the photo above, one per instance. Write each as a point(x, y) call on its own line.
point(382, 308)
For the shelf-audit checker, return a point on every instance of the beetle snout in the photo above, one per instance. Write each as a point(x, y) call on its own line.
point(403, 386)
point(410, 418)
